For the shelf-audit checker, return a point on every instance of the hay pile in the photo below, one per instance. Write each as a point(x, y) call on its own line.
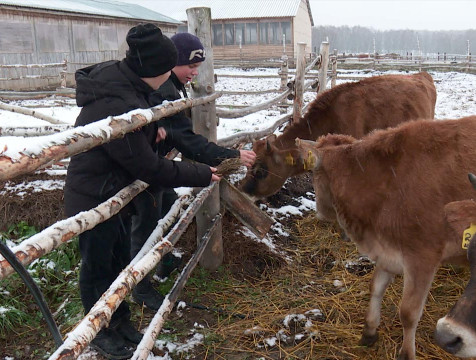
point(318, 278)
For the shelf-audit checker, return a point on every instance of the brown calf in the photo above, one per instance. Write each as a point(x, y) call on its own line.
point(353, 109)
point(388, 192)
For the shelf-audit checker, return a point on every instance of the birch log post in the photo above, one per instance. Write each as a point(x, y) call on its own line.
point(299, 81)
point(205, 123)
point(324, 52)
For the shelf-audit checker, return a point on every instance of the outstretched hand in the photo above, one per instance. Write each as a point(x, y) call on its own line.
point(247, 157)
point(215, 177)
point(161, 134)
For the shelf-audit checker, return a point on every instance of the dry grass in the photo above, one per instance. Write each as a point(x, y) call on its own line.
point(306, 283)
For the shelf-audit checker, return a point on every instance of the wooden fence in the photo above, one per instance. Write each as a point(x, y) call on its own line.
point(65, 143)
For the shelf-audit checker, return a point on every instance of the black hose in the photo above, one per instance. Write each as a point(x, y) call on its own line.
point(35, 291)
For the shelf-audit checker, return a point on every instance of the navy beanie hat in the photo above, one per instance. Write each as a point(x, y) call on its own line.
point(190, 49)
point(150, 52)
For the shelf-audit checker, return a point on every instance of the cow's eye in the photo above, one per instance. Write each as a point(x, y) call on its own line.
point(260, 172)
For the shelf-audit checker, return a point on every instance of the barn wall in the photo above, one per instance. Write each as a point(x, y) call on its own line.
point(302, 27)
point(43, 37)
point(252, 51)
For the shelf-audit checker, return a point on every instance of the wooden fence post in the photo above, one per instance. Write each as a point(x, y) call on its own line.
point(205, 123)
point(63, 74)
point(299, 80)
point(334, 69)
point(324, 53)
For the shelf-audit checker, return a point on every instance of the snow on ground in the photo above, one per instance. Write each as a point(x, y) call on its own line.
point(456, 98)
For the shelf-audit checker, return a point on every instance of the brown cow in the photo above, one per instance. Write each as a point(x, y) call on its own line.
point(456, 332)
point(388, 192)
point(353, 109)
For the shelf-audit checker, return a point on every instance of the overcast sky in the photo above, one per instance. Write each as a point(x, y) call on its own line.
point(390, 14)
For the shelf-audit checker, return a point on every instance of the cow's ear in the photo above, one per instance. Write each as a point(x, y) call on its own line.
point(307, 154)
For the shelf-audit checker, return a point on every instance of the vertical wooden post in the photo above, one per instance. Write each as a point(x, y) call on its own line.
point(205, 123)
point(334, 69)
point(63, 74)
point(299, 80)
point(284, 73)
point(324, 53)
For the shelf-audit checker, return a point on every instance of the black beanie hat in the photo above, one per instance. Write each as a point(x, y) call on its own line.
point(150, 53)
point(190, 49)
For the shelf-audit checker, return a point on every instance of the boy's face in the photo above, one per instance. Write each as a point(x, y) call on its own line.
point(186, 73)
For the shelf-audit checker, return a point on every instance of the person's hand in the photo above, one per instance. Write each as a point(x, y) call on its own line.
point(215, 177)
point(247, 157)
point(161, 134)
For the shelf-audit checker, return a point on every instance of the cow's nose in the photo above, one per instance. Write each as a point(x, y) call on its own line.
point(448, 341)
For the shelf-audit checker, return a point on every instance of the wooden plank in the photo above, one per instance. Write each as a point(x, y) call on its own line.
point(244, 209)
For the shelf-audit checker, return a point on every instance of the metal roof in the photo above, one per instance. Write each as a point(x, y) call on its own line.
point(229, 9)
point(108, 8)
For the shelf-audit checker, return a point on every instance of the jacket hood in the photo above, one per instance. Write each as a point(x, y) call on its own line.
point(111, 79)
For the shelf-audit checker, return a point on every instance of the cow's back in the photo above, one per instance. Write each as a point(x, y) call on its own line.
point(375, 103)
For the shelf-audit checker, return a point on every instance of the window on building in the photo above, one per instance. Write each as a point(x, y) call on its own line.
point(251, 33)
point(182, 29)
point(263, 33)
point(229, 34)
point(239, 33)
point(217, 34)
point(274, 35)
point(286, 30)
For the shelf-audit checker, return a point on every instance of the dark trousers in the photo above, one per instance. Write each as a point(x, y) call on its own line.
point(150, 207)
point(105, 251)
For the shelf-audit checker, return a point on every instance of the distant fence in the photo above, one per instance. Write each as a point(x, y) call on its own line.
point(409, 61)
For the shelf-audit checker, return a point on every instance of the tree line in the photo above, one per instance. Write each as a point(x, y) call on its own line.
point(358, 39)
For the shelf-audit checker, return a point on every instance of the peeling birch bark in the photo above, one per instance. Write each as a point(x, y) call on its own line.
point(53, 236)
point(100, 314)
point(147, 343)
point(80, 139)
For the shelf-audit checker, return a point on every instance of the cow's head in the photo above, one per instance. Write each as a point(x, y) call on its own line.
point(456, 332)
point(310, 156)
point(270, 170)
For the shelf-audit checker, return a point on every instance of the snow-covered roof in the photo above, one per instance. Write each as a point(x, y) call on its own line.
point(229, 9)
point(94, 7)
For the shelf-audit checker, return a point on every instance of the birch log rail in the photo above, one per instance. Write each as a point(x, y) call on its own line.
point(34, 113)
point(100, 314)
point(74, 141)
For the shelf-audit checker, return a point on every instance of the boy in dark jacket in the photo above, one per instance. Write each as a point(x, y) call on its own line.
point(152, 206)
point(109, 89)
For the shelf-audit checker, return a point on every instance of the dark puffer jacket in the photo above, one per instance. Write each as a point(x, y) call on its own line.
point(111, 88)
point(180, 130)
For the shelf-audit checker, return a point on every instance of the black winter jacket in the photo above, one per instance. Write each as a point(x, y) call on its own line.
point(180, 130)
point(110, 89)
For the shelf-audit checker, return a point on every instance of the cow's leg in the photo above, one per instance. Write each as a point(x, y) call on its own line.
point(380, 281)
point(416, 285)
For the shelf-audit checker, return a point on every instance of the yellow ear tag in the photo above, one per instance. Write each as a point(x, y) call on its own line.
point(468, 235)
point(290, 160)
point(310, 162)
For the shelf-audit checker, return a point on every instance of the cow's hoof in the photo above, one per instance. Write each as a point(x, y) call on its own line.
point(368, 340)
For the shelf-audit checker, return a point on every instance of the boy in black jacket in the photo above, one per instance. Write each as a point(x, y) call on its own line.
point(109, 89)
point(151, 206)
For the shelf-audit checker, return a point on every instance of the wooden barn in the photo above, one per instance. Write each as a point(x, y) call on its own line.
point(81, 32)
point(249, 29)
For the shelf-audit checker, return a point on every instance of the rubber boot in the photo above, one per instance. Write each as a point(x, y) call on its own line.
point(145, 294)
point(111, 345)
point(127, 330)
